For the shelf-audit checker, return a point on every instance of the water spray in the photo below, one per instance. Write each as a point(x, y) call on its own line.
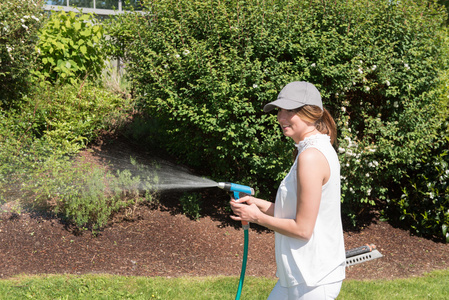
point(238, 191)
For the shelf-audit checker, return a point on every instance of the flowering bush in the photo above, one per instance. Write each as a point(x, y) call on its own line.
point(19, 22)
point(204, 70)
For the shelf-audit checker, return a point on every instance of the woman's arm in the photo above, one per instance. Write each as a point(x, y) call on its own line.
point(313, 171)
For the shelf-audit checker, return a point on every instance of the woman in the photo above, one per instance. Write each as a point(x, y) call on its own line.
point(309, 247)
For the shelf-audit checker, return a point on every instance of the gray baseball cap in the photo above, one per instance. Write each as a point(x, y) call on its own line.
point(294, 95)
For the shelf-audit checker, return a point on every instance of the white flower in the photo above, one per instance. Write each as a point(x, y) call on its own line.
point(24, 26)
point(186, 52)
point(35, 18)
point(313, 65)
point(360, 70)
point(26, 17)
point(367, 174)
point(368, 192)
point(255, 86)
point(367, 88)
point(431, 195)
point(374, 67)
point(341, 150)
point(396, 104)
point(406, 66)
point(387, 82)
point(177, 55)
point(343, 109)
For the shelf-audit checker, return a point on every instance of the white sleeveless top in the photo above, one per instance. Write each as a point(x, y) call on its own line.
point(321, 260)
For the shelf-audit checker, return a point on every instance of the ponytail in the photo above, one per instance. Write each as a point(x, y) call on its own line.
point(322, 119)
point(326, 125)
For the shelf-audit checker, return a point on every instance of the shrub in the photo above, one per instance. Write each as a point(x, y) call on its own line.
point(424, 204)
point(191, 204)
point(19, 22)
point(69, 47)
point(204, 69)
point(72, 116)
point(38, 141)
point(83, 193)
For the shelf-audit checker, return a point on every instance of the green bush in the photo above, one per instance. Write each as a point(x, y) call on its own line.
point(68, 117)
point(204, 69)
point(191, 204)
point(83, 193)
point(19, 22)
point(38, 141)
point(424, 204)
point(69, 47)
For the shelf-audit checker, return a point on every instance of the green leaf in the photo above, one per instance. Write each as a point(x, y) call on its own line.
point(86, 32)
point(83, 50)
point(77, 26)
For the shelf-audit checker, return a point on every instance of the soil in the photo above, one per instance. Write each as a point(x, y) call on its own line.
point(156, 239)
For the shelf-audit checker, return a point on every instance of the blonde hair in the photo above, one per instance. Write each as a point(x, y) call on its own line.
point(322, 120)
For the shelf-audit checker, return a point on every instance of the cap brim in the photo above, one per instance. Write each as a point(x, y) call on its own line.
point(282, 103)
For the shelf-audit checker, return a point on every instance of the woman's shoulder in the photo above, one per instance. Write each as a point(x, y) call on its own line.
point(311, 156)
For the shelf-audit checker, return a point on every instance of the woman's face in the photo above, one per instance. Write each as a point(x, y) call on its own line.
point(292, 125)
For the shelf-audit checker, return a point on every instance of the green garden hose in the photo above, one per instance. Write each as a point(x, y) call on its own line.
point(245, 256)
point(245, 190)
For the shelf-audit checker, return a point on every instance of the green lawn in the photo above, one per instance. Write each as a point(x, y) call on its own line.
point(432, 286)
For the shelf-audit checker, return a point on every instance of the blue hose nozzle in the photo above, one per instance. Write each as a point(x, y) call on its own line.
point(236, 188)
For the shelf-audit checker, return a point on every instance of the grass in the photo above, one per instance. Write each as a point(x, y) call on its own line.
point(434, 285)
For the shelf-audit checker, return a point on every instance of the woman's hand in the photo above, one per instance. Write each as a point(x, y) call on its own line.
point(245, 209)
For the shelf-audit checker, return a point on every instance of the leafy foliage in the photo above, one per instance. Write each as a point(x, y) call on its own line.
point(203, 70)
point(69, 47)
point(191, 204)
point(36, 146)
point(424, 204)
point(19, 22)
point(83, 193)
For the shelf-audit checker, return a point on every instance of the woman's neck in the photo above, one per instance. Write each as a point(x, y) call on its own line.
point(310, 132)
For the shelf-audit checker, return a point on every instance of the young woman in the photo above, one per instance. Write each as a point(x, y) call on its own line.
point(309, 246)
